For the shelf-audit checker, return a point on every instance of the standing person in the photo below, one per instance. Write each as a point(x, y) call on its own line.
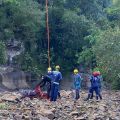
point(51, 76)
point(98, 75)
point(95, 86)
point(77, 83)
point(55, 85)
point(57, 68)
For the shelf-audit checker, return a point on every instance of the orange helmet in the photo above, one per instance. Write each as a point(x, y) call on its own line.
point(96, 73)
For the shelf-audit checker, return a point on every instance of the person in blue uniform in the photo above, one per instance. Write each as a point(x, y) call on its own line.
point(77, 83)
point(57, 68)
point(95, 86)
point(55, 84)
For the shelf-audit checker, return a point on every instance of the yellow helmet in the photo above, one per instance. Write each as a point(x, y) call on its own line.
point(75, 71)
point(49, 69)
point(57, 67)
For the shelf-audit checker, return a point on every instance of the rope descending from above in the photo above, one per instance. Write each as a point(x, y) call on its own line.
point(48, 32)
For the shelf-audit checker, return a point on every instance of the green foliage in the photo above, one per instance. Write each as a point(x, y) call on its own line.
point(78, 28)
point(2, 53)
point(20, 20)
point(114, 13)
point(87, 58)
point(3, 106)
point(107, 51)
point(28, 63)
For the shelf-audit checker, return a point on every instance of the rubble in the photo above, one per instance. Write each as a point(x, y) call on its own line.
point(65, 108)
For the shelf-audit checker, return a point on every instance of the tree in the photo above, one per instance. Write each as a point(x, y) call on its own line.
point(107, 51)
point(2, 53)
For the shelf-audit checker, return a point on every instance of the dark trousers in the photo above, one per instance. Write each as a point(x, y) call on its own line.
point(54, 92)
point(48, 91)
point(98, 91)
point(77, 92)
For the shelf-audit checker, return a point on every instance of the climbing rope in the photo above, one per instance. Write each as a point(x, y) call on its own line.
point(48, 33)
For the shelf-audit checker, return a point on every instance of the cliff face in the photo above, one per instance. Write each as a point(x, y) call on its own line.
point(13, 80)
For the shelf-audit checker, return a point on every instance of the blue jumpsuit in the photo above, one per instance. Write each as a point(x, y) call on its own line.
point(77, 85)
point(55, 85)
point(99, 86)
point(95, 86)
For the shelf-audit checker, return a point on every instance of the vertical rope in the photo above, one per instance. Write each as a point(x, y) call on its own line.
point(48, 32)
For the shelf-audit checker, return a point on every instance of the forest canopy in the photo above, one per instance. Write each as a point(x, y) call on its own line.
point(82, 33)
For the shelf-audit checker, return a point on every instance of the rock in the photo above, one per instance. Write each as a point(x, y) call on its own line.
point(63, 109)
point(4, 113)
point(74, 113)
point(17, 117)
point(48, 113)
point(25, 117)
point(102, 108)
point(53, 110)
point(9, 97)
point(80, 118)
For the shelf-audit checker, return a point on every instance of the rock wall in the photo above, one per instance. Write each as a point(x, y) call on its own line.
point(14, 80)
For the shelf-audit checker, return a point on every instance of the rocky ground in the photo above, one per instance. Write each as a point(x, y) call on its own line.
point(64, 109)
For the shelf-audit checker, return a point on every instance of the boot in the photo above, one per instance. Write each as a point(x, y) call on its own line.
point(97, 97)
point(89, 96)
point(100, 96)
point(59, 96)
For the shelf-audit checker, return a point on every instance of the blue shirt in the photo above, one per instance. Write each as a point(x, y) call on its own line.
point(77, 81)
point(95, 81)
point(50, 75)
point(57, 76)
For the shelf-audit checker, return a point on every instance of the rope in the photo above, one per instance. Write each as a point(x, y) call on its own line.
point(48, 33)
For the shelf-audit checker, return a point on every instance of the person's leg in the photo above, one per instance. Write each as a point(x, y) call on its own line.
point(89, 94)
point(55, 92)
point(52, 92)
point(97, 92)
point(100, 96)
point(59, 96)
point(48, 91)
point(92, 94)
point(77, 94)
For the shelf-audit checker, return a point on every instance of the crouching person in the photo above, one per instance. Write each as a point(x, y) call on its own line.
point(77, 83)
point(37, 91)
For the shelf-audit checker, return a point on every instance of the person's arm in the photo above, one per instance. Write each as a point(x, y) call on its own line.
point(61, 76)
point(42, 83)
point(80, 79)
point(91, 78)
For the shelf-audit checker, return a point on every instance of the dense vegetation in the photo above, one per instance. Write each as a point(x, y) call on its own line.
point(82, 33)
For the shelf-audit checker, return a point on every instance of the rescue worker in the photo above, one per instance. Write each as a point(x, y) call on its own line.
point(46, 81)
point(94, 79)
point(55, 84)
point(57, 68)
point(50, 73)
point(77, 83)
point(97, 74)
point(51, 76)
